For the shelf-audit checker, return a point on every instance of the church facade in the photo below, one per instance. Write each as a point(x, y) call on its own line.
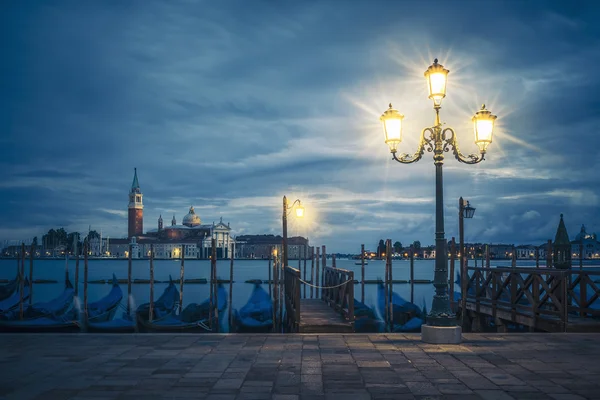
point(190, 239)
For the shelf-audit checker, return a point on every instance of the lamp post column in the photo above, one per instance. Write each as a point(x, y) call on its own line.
point(441, 313)
point(284, 255)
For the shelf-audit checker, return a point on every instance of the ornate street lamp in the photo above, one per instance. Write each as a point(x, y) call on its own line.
point(441, 322)
point(286, 211)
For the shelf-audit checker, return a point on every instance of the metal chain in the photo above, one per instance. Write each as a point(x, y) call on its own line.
point(324, 287)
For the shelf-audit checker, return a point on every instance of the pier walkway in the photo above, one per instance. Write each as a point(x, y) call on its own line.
point(295, 366)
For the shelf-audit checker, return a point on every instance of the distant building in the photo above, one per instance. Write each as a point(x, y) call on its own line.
point(589, 242)
point(260, 246)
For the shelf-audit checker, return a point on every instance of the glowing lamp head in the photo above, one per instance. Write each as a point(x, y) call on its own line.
point(299, 211)
point(483, 124)
point(392, 127)
point(436, 76)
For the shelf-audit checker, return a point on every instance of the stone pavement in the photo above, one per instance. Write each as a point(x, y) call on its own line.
point(325, 366)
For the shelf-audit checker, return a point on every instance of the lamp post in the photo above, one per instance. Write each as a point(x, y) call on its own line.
point(441, 322)
point(464, 211)
point(286, 210)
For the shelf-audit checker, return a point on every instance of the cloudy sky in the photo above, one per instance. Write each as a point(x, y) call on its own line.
point(229, 105)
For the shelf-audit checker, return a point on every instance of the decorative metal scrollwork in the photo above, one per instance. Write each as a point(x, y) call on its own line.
point(450, 141)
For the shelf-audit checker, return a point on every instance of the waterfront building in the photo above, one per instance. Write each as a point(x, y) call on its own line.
point(259, 246)
point(590, 243)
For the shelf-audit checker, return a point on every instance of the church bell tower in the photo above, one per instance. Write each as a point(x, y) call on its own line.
point(135, 209)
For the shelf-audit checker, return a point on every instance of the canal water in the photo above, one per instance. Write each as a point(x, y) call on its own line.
point(54, 269)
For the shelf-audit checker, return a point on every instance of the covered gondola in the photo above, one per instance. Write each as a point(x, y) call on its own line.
point(193, 318)
point(256, 315)
point(402, 311)
point(12, 302)
point(9, 289)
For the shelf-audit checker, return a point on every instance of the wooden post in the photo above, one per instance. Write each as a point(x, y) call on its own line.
point(317, 260)
point(21, 280)
point(452, 257)
point(412, 274)
point(129, 257)
point(230, 308)
point(362, 273)
point(514, 257)
point(386, 311)
point(537, 257)
point(181, 275)
point(333, 261)
point(211, 301)
point(323, 265)
point(274, 291)
point(271, 256)
point(487, 256)
point(151, 307)
point(76, 270)
point(216, 293)
point(31, 253)
point(580, 257)
point(305, 256)
point(86, 247)
point(281, 295)
point(549, 254)
point(312, 271)
point(388, 253)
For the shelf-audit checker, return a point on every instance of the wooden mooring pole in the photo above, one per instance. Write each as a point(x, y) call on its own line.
point(581, 256)
point(549, 254)
point(76, 269)
point(513, 262)
point(129, 257)
point(212, 295)
point(312, 271)
point(216, 292)
point(304, 270)
point(151, 306)
point(323, 265)
point(230, 306)
point(362, 273)
point(388, 253)
point(275, 305)
point(317, 261)
point(333, 265)
point(412, 274)
point(271, 257)
point(281, 289)
point(537, 257)
point(31, 253)
point(181, 275)
point(386, 312)
point(452, 257)
point(86, 250)
point(21, 279)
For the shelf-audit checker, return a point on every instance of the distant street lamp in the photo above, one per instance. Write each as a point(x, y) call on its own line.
point(441, 322)
point(286, 210)
point(464, 211)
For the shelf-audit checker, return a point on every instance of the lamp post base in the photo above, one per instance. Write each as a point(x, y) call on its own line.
point(441, 334)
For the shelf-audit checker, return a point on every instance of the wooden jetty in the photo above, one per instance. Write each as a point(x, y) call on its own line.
point(542, 299)
point(333, 313)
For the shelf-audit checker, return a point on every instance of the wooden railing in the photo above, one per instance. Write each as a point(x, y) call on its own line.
point(541, 298)
point(291, 282)
point(338, 291)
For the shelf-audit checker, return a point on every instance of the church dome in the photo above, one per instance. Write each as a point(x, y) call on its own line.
point(191, 219)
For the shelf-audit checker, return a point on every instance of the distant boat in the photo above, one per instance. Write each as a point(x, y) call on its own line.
point(257, 314)
point(360, 262)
